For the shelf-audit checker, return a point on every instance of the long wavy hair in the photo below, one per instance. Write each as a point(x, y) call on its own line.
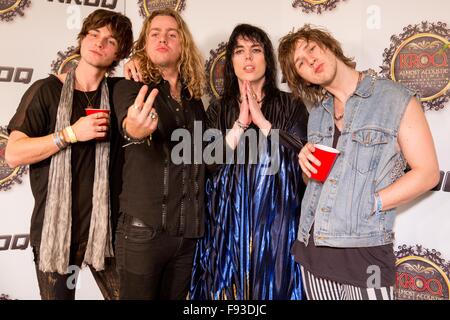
point(190, 66)
point(300, 87)
point(231, 85)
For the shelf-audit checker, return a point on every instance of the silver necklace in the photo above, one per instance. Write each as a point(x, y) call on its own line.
point(339, 117)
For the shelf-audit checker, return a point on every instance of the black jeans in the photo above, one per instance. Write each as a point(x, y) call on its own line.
point(54, 286)
point(151, 263)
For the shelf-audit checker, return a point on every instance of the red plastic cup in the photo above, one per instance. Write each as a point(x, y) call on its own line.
point(326, 156)
point(90, 111)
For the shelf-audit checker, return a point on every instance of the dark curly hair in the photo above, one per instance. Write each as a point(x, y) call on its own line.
point(231, 86)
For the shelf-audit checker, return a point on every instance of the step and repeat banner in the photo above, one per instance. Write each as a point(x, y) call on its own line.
point(404, 40)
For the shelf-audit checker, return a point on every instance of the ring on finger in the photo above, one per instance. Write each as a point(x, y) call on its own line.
point(153, 115)
point(135, 106)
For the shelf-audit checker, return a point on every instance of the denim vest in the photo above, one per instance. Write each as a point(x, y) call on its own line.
point(369, 160)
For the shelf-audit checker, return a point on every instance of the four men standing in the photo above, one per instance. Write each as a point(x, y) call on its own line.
point(377, 125)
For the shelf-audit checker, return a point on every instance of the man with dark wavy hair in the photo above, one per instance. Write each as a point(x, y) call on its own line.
point(244, 197)
point(345, 236)
point(70, 160)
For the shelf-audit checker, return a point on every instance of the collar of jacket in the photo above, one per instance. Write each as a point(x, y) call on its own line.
point(363, 90)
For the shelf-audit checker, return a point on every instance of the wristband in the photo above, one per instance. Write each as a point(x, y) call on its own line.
point(62, 138)
point(59, 141)
point(71, 135)
point(378, 204)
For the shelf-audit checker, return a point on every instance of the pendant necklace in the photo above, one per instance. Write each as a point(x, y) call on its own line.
point(339, 117)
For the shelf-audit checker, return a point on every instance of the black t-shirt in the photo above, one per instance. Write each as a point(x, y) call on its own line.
point(36, 117)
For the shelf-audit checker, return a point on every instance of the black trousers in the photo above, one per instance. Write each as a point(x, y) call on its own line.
point(54, 286)
point(152, 264)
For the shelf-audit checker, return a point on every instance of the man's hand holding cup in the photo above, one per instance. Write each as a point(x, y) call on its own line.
point(317, 160)
point(94, 126)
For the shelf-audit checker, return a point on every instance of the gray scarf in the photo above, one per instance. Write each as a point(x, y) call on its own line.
point(56, 232)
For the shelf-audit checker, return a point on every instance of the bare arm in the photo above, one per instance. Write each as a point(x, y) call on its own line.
point(416, 143)
point(22, 149)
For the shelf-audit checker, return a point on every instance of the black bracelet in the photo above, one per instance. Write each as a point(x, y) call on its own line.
point(130, 139)
point(241, 125)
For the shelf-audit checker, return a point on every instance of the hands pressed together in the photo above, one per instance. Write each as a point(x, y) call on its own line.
point(250, 111)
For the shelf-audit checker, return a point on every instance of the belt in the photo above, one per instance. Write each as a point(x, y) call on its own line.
point(137, 222)
point(133, 221)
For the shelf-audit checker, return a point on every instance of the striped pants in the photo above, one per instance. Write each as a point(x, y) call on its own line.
point(322, 289)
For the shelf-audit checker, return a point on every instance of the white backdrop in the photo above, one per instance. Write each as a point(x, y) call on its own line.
point(364, 27)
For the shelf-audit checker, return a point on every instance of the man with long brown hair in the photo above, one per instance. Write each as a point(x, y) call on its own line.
point(161, 201)
point(345, 235)
point(69, 166)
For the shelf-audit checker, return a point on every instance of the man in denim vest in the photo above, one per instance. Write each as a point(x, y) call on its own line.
point(345, 237)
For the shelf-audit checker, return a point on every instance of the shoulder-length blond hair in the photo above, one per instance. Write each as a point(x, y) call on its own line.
point(300, 87)
point(190, 66)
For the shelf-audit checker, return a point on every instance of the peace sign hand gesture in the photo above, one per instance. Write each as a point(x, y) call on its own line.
point(142, 119)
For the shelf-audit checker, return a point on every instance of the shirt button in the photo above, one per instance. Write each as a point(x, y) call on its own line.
point(178, 109)
point(325, 210)
point(332, 181)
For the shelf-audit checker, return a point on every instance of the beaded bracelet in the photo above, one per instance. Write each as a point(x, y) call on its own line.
point(241, 125)
point(132, 140)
